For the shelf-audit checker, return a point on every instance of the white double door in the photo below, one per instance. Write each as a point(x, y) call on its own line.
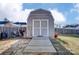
point(40, 27)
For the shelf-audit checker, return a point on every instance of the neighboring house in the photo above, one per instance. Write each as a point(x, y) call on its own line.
point(10, 27)
point(40, 23)
point(68, 29)
point(6, 23)
point(9, 24)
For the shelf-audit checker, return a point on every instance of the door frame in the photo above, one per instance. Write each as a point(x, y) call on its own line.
point(40, 25)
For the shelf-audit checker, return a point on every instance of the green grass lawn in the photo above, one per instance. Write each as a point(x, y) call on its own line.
point(70, 42)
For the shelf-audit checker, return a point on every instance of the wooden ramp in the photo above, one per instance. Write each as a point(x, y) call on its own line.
point(40, 45)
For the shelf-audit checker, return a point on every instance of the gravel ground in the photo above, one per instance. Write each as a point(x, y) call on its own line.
point(17, 48)
point(61, 50)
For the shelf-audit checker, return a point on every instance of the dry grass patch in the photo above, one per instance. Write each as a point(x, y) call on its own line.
point(5, 44)
point(70, 42)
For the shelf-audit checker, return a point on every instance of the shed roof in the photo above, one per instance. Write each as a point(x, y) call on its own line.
point(40, 11)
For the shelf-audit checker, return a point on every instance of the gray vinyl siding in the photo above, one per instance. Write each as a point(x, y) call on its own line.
point(43, 15)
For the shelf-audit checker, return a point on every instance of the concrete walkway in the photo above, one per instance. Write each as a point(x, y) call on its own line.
point(40, 45)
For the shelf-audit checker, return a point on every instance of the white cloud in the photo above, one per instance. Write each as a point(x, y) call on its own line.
point(76, 7)
point(14, 12)
point(58, 16)
point(77, 19)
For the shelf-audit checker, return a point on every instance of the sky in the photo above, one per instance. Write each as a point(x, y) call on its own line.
point(63, 13)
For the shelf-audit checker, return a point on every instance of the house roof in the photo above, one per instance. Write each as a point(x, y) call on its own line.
point(71, 26)
point(20, 23)
point(3, 22)
point(38, 11)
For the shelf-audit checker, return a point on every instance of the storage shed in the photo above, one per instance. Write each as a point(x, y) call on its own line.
point(40, 22)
